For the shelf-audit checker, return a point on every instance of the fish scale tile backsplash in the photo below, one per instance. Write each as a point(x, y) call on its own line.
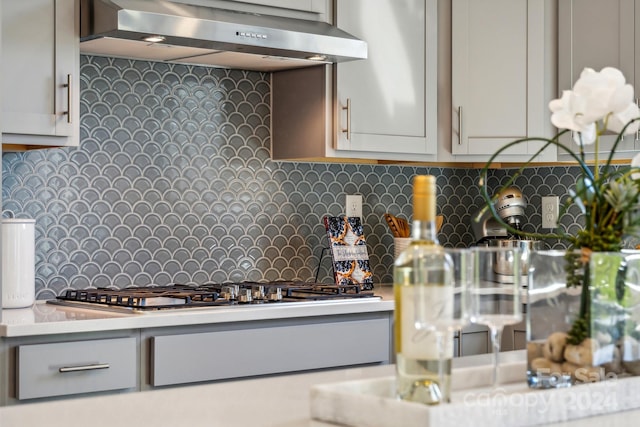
point(173, 183)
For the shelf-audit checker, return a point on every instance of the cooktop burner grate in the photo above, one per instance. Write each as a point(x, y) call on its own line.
point(211, 294)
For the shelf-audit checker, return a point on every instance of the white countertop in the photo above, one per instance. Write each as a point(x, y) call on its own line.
point(43, 318)
point(278, 401)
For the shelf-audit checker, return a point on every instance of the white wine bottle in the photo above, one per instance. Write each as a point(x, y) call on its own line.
point(422, 275)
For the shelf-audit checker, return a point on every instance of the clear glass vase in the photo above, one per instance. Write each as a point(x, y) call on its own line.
point(583, 317)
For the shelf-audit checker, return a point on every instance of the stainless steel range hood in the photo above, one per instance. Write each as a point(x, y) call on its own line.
point(203, 35)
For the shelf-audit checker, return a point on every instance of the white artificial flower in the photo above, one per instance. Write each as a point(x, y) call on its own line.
point(596, 96)
point(603, 92)
point(587, 136)
point(568, 111)
point(617, 121)
point(635, 164)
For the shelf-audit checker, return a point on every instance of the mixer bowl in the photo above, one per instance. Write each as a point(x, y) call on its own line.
point(503, 266)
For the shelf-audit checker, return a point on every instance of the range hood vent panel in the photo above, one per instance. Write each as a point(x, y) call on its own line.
point(212, 30)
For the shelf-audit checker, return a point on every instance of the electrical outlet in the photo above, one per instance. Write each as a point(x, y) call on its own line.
point(353, 205)
point(550, 209)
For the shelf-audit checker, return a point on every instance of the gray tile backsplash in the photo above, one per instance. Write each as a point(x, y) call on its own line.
point(173, 183)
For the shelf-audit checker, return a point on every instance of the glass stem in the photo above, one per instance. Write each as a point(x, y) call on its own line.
point(496, 334)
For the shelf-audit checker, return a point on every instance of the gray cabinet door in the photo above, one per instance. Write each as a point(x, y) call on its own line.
point(474, 339)
point(514, 337)
point(40, 72)
point(598, 34)
point(392, 95)
point(502, 75)
point(237, 353)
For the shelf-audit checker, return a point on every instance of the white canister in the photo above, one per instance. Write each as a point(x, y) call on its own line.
point(18, 262)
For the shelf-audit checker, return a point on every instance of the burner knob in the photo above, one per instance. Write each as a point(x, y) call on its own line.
point(274, 294)
point(244, 295)
point(228, 292)
point(257, 291)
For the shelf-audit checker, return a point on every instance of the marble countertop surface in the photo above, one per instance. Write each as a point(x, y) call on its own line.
point(43, 318)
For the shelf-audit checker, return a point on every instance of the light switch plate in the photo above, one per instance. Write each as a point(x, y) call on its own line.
point(353, 205)
point(550, 209)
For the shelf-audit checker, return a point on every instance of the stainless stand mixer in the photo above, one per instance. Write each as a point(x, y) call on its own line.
point(509, 205)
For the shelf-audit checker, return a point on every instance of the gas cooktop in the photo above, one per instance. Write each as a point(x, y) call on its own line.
point(156, 298)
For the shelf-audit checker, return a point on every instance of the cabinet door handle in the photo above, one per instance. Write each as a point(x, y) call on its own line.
point(460, 125)
point(638, 131)
point(93, 367)
point(69, 97)
point(348, 129)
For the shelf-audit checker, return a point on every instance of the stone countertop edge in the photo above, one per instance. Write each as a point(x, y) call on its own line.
point(46, 319)
point(276, 401)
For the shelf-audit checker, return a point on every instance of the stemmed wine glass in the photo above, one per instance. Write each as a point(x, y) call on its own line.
point(444, 310)
point(495, 293)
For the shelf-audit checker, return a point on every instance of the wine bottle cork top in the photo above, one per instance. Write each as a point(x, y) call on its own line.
point(424, 197)
point(424, 184)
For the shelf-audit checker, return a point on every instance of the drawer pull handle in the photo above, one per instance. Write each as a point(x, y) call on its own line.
point(84, 367)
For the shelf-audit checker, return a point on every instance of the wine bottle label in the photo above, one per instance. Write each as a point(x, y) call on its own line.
point(425, 309)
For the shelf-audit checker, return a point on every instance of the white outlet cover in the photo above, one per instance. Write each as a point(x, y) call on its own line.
point(353, 205)
point(550, 211)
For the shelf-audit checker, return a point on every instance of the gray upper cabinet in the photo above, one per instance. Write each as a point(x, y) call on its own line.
point(597, 34)
point(386, 105)
point(382, 108)
point(40, 73)
point(502, 77)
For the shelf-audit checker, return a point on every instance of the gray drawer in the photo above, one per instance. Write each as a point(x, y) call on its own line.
point(248, 352)
point(58, 369)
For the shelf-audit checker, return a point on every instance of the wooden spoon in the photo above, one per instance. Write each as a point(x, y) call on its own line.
point(403, 227)
point(391, 222)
